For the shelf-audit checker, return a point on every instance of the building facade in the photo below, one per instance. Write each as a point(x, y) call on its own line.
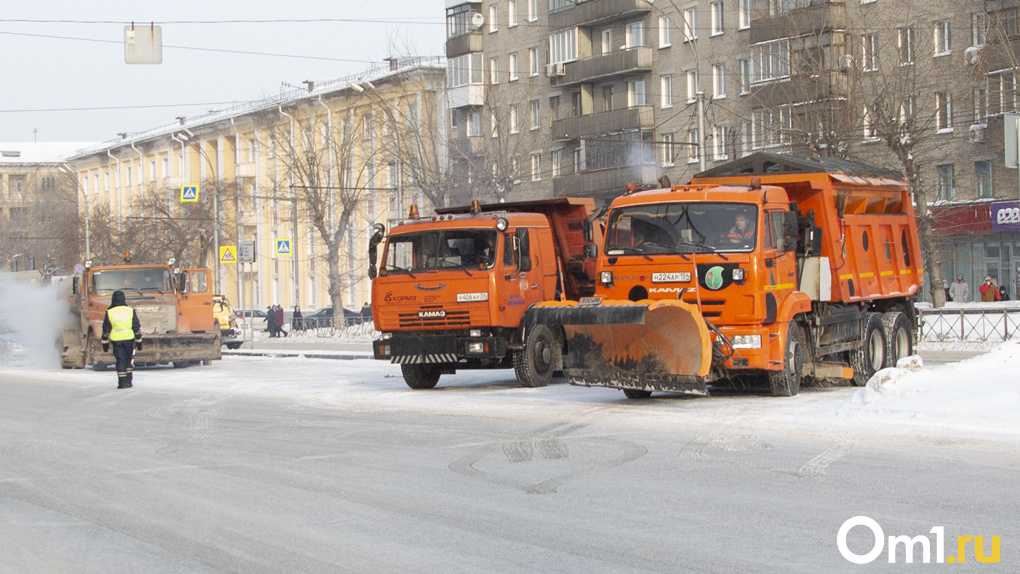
point(580, 97)
point(301, 177)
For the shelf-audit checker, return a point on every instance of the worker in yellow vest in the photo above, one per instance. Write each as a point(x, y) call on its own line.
point(122, 329)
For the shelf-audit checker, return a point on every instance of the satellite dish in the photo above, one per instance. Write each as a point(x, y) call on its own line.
point(477, 20)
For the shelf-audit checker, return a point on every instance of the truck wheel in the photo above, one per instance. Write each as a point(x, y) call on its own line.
point(534, 365)
point(636, 393)
point(420, 376)
point(870, 358)
point(898, 337)
point(786, 383)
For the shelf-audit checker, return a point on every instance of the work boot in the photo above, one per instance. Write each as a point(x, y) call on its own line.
point(123, 382)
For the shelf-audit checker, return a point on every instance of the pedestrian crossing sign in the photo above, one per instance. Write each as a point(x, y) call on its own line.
point(282, 248)
point(228, 254)
point(189, 193)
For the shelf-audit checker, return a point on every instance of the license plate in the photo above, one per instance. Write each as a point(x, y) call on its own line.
point(589, 301)
point(671, 277)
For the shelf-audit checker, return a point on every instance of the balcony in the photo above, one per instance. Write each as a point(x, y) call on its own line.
point(465, 96)
point(630, 61)
point(467, 146)
point(623, 119)
point(598, 12)
point(604, 183)
point(464, 44)
point(800, 22)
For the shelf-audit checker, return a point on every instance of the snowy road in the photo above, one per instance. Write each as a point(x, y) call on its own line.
point(257, 464)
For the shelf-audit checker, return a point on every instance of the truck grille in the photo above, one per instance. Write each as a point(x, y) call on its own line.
point(450, 319)
point(157, 319)
point(709, 307)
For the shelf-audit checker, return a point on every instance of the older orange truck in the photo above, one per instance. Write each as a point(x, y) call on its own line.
point(450, 290)
point(174, 307)
point(818, 284)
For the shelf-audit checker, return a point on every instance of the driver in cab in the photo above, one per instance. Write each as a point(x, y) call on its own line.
point(742, 232)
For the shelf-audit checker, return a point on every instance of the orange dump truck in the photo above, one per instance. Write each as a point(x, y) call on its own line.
point(175, 309)
point(450, 290)
point(817, 281)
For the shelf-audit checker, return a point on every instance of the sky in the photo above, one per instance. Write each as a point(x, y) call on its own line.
point(65, 79)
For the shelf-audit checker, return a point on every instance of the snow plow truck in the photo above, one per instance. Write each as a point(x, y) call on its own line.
point(816, 284)
point(450, 290)
point(174, 307)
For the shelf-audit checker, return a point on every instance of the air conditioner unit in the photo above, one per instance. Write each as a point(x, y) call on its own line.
point(561, 69)
point(846, 61)
point(550, 70)
point(977, 133)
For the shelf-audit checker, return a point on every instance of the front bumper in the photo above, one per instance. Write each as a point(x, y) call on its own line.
point(438, 348)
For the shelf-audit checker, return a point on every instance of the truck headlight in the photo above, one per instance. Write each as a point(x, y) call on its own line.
point(746, 341)
point(606, 277)
point(475, 333)
point(476, 348)
point(386, 336)
point(738, 274)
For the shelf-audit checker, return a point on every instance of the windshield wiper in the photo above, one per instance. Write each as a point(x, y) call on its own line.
point(631, 251)
point(408, 271)
point(705, 248)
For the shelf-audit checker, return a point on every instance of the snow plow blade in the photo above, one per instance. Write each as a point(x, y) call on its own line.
point(661, 345)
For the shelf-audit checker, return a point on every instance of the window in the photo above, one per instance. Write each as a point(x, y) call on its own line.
point(514, 118)
point(575, 104)
point(983, 171)
point(717, 18)
point(665, 32)
point(493, 18)
point(943, 111)
point(719, 143)
point(771, 127)
point(532, 10)
point(905, 44)
point(511, 13)
point(607, 41)
point(556, 158)
point(532, 62)
point(690, 24)
point(554, 107)
point(770, 60)
point(578, 159)
point(635, 34)
point(945, 183)
point(692, 85)
point(514, 74)
point(563, 46)
point(870, 129)
point(943, 38)
point(869, 52)
point(457, 21)
point(977, 29)
point(494, 70)
point(536, 167)
point(152, 170)
point(607, 98)
point(127, 178)
point(718, 81)
point(745, 75)
point(535, 114)
point(1001, 93)
point(666, 155)
point(474, 124)
point(666, 91)
point(636, 93)
point(693, 146)
point(744, 14)
point(980, 104)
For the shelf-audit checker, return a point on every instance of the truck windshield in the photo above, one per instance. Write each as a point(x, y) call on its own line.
point(682, 228)
point(441, 249)
point(154, 280)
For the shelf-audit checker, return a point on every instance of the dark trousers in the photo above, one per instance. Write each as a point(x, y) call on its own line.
point(123, 351)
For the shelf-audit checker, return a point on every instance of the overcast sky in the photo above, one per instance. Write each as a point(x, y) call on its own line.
point(65, 78)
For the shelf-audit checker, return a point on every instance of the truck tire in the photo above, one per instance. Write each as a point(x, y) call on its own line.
point(899, 337)
point(786, 382)
point(535, 363)
point(420, 376)
point(636, 393)
point(870, 357)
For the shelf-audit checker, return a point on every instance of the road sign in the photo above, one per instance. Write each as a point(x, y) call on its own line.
point(228, 254)
point(246, 252)
point(79, 268)
point(282, 248)
point(189, 193)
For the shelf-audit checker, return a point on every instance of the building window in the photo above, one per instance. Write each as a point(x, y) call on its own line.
point(666, 91)
point(464, 70)
point(635, 34)
point(779, 7)
point(980, 105)
point(575, 104)
point(607, 98)
point(745, 75)
point(532, 10)
point(718, 81)
point(494, 70)
point(770, 60)
point(692, 85)
point(563, 46)
point(514, 74)
point(493, 18)
point(690, 24)
point(511, 13)
point(771, 127)
point(127, 178)
point(556, 158)
point(693, 146)
point(983, 171)
point(578, 159)
point(607, 41)
point(744, 14)
point(532, 62)
point(536, 167)
point(943, 111)
point(636, 93)
point(535, 114)
point(554, 107)
point(870, 129)
point(719, 143)
point(977, 29)
point(666, 155)
point(943, 38)
point(514, 118)
point(869, 52)
point(717, 18)
point(905, 45)
point(474, 124)
point(946, 189)
point(665, 32)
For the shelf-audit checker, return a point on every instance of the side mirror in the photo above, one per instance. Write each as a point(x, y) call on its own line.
point(791, 224)
point(373, 251)
point(591, 251)
point(182, 282)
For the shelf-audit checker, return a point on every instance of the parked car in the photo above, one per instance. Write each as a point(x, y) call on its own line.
point(258, 318)
point(324, 318)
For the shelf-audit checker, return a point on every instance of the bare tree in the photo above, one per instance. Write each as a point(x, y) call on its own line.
point(163, 226)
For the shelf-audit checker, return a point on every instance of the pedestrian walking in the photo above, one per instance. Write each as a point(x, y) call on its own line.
point(278, 319)
point(945, 286)
point(960, 290)
point(271, 320)
point(122, 330)
point(297, 321)
point(989, 292)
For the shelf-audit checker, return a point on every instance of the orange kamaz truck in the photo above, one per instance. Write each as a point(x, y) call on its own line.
point(450, 290)
point(174, 307)
point(761, 272)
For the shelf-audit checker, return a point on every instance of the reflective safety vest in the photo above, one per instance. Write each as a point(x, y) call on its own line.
point(121, 319)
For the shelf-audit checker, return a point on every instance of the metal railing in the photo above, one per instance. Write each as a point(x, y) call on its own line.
point(962, 324)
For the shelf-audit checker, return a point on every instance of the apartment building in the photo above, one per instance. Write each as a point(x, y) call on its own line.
point(580, 97)
point(302, 176)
